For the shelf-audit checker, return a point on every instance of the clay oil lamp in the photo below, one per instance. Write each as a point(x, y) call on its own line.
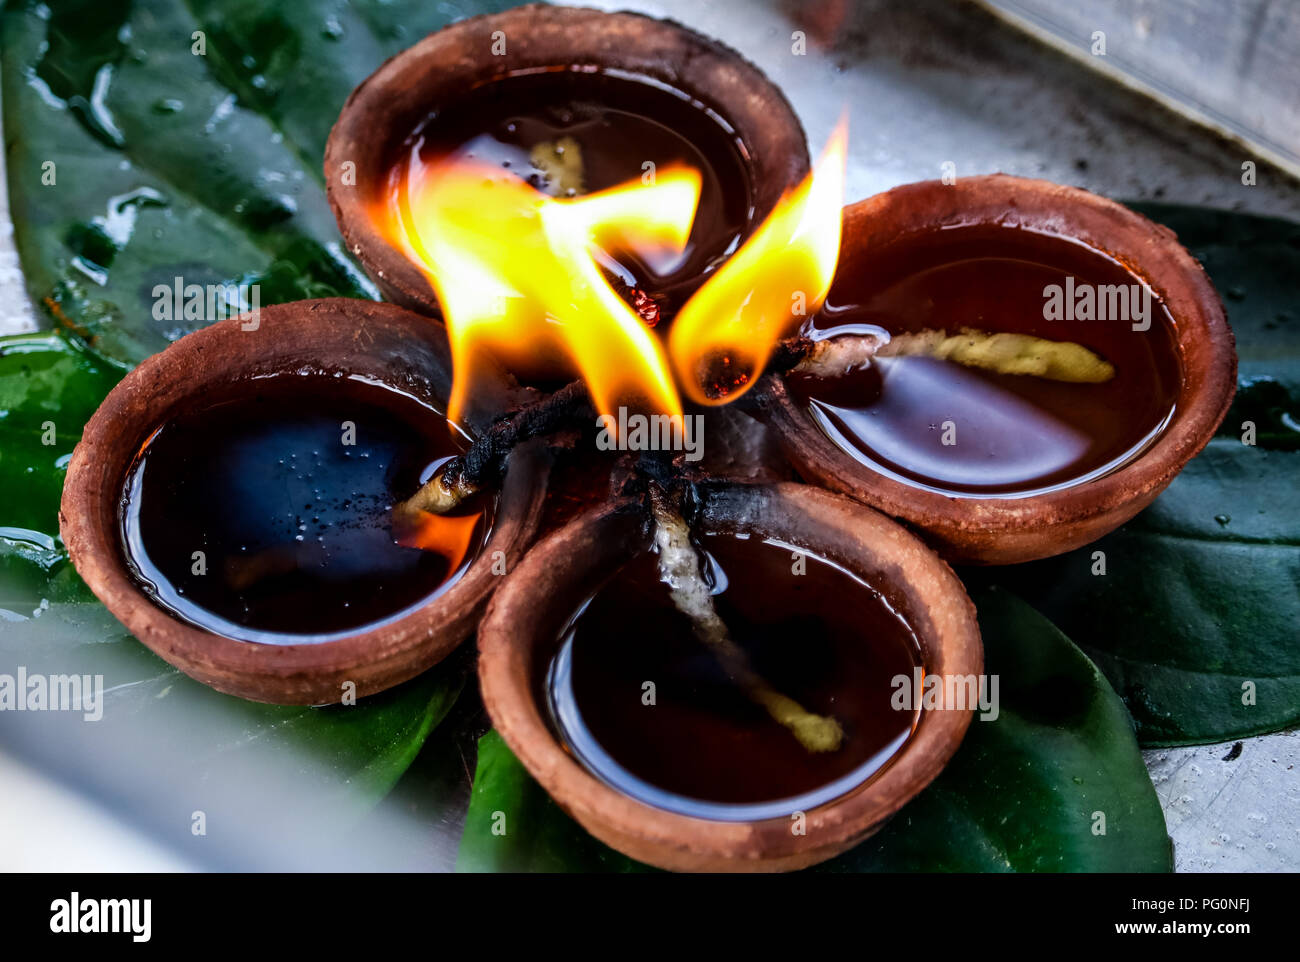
point(1014, 367)
point(723, 694)
point(573, 102)
point(238, 502)
point(771, 624)
point(620, 214)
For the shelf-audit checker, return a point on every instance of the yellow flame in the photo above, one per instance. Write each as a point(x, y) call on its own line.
point(722, 338)
point(518, 276)
point(515, 273)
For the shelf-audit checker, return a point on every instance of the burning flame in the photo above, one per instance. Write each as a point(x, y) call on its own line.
point(518, 276)
point(722, 338)
point(516, 273)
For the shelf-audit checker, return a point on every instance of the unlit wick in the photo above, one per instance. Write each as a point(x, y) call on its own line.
point(679, 568)
point(1002, 353)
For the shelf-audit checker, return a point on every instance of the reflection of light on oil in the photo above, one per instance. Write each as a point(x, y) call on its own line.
point(592, 738)
point(1010, 444)
point(447, 535)
point(584, 744)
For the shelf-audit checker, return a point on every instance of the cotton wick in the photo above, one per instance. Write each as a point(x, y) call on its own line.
point(485, 461)
point(679, 568)
point(1002, 353)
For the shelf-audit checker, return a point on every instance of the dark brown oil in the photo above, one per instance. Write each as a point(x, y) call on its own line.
point(294, 525)
point(1014, 434)
point(621, 124)
point(703, 747)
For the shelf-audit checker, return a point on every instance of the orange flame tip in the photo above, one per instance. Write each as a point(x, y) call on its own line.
point(722, 338)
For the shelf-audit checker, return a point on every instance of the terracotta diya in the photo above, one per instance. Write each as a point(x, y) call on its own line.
point(231, 503)
point(572, 101)
point(758, 730)
point(1037, 363)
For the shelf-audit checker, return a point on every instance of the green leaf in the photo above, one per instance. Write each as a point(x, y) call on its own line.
point(513, 826)
point(1195, 619)
point(1020, 795)
point(48, 390)
point(133, 160)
